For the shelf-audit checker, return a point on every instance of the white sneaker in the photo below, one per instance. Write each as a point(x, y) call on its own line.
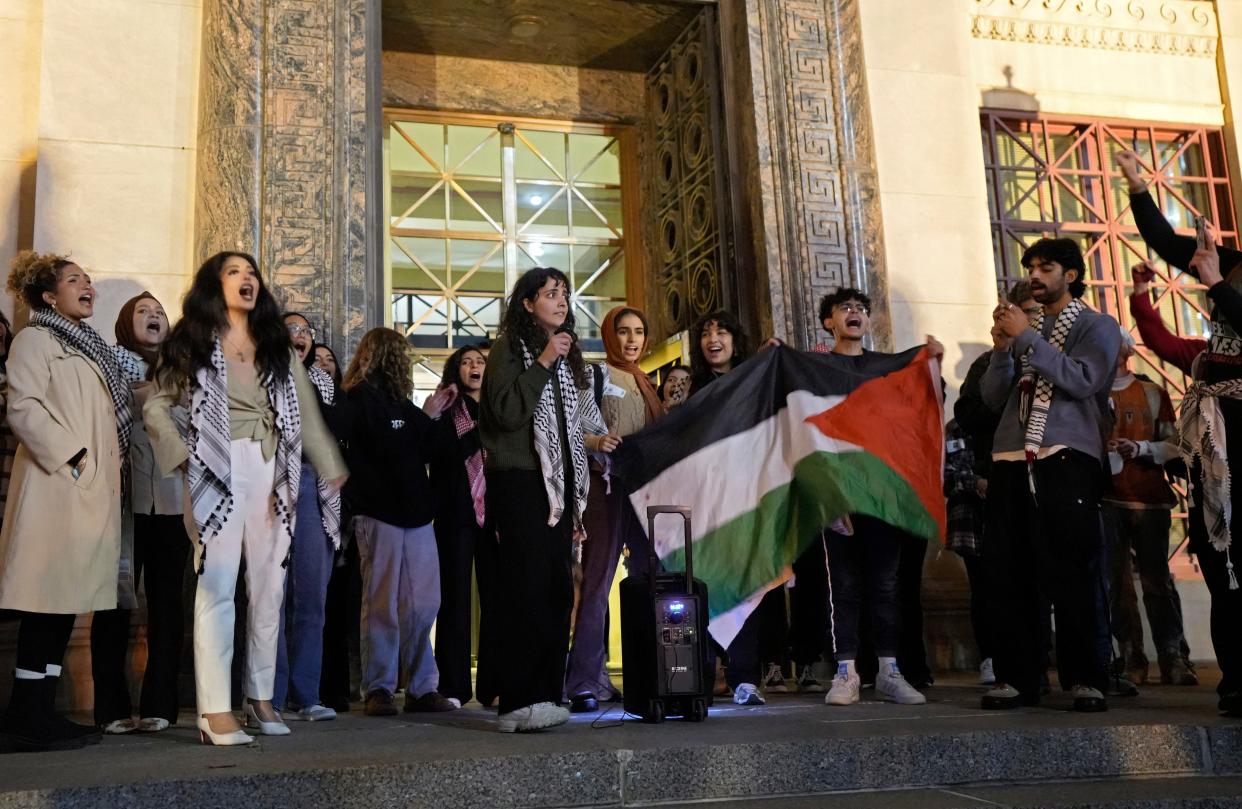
point(747, 694)
point(844, 690)
point(456, 702)
point(892, 686)
point(986, 674)
point(312, 713)
point(774, 679)
point(533, 717)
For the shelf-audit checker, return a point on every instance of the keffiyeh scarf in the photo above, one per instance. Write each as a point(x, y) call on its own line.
point(464, 424)
point(1201, 435)
point(209, 474)
point(329, 499)
point(548, 443)
point(1036, 391)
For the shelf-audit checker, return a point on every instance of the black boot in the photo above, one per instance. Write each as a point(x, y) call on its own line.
point(71, 733)
point(29, 727)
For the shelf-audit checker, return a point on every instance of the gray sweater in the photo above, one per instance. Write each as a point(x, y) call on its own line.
point(1081, 377)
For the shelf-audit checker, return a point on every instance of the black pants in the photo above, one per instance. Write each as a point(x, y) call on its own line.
point(979, 620)
point(1050, 546)
point(161, 548)
point(42, 639)
point(342, 619)
point(463, 549)
point(808, 605)
point(1226, 616)
point(864, 564)
point(536, 589)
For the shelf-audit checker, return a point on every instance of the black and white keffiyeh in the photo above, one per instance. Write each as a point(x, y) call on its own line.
point(576, 405)
point(1201, 435)
point(329, 498)
point(1036, 391)
point(209, 473)
point(85, 340)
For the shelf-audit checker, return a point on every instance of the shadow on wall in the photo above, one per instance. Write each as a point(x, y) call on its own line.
point(111, 295)
point(969, 353)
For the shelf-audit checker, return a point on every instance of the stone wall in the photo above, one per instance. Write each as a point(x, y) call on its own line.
point(457, 84)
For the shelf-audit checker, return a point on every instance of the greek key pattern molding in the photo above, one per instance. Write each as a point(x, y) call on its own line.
point(1169, 27)
point(822, 244)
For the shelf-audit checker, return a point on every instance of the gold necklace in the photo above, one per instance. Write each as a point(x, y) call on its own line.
point(241, 354)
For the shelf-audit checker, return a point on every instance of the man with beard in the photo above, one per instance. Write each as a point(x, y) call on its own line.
point(1050, 380)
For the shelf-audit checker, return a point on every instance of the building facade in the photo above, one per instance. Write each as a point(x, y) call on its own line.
point(399, 162)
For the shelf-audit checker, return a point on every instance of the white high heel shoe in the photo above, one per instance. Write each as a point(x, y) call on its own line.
point(253, 722)
point(207, 736)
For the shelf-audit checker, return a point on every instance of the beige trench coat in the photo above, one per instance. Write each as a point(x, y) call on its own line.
point(61, 540)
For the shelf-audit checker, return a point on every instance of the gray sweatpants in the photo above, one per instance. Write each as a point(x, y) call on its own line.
point(400, 599)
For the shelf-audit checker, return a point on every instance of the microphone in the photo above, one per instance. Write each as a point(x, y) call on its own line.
point(573, 338)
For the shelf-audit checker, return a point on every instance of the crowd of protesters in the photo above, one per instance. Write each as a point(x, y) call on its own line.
point(177, 451)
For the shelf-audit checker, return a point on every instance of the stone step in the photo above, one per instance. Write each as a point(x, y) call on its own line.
point(793, 746)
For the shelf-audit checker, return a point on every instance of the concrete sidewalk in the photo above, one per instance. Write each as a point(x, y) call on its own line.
point(795, 745)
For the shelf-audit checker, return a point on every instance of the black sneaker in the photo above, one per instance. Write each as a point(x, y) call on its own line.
point(1231, 705)
point(380, 703)
point(583, 703)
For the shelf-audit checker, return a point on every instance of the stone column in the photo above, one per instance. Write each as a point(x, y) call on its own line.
point(229, 172)
point(284, 156)
point(797, 89)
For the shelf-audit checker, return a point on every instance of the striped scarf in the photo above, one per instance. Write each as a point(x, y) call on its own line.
point(329, 498)
point(209, 473)
point(1036, 391)
point(1201, 436)
point(464, 424)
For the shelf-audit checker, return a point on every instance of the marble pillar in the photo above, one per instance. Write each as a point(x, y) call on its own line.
point(806, 159)
point(229, 171)
point(284, 158)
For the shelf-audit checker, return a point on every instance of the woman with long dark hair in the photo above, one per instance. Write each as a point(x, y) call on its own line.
point(538, 404)
point(465, 537)
point(60, 547)
point(390, 497)
point(252, 413)
point(159, 551)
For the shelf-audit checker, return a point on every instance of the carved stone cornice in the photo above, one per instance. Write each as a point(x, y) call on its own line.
point(1168, 27)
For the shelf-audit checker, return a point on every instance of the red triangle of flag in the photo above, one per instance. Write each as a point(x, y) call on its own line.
point(898, 419)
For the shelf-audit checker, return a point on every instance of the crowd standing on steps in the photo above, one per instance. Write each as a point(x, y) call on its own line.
point(368, 524)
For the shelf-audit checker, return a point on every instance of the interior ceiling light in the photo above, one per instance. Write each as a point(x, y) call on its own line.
point(536, 199)
point(525, 26)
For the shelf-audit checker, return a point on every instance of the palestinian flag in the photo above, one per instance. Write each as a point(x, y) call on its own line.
point(770, 454)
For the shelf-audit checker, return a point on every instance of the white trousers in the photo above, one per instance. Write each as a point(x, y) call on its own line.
point(251, 528)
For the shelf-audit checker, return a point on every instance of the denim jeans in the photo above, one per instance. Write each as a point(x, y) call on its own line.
point(299, 650)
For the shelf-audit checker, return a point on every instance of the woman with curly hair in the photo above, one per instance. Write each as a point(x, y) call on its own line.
point(538, 405)
point(718, 344)
point(60, 546)
point(252, 413)
point(393, 507)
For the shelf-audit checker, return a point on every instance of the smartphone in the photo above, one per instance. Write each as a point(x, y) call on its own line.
point(1201, 233)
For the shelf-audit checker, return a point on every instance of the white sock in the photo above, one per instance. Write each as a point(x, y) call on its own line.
point(846, 667)
point(888, 665)
point(52, 671)
point(27, 674)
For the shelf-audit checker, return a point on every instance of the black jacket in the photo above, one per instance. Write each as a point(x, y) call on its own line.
point(391, 443)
